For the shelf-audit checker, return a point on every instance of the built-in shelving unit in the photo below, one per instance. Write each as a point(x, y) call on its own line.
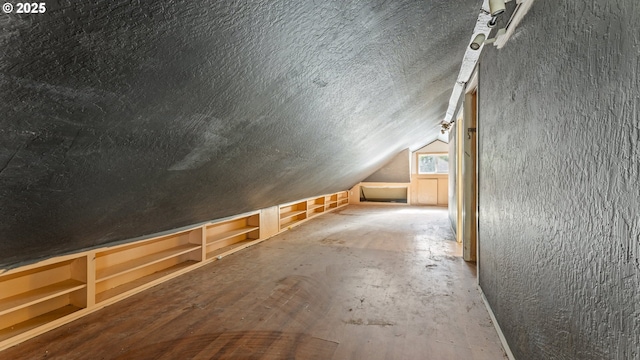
point(125, 268)
point(295, 213)
point(39, 297)
point(228, 236)
point(292, 214)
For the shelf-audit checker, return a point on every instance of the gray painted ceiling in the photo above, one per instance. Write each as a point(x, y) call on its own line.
point(125, 118)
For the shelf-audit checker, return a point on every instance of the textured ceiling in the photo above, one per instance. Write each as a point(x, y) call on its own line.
point(125, 118)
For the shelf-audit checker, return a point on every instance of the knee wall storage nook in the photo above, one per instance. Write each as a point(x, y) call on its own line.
point(38, 297)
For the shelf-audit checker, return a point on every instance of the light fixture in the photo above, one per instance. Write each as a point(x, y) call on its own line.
point(477, 42)
point(496, 7)
point(445, 126)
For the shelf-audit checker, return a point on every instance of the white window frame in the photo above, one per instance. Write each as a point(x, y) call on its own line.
point(436, 155)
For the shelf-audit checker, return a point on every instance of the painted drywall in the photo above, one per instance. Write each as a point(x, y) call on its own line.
point(122, 118)
point(437, 146)
point(559, 139)
point(396, 170)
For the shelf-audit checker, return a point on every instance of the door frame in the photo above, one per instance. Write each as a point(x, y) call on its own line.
point(468, 172)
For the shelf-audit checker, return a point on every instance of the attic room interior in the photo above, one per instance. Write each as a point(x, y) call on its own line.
point(320, 180)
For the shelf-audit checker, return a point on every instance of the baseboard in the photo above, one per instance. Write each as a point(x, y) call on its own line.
point(505, 345)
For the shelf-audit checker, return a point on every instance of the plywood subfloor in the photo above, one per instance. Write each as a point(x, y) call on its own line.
point(364, 282)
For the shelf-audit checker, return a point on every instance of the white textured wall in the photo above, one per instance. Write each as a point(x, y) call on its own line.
point(559, 181)
point(120, 118)
point(396, 170)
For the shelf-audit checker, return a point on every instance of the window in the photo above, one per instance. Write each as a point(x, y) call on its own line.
point(433, 164)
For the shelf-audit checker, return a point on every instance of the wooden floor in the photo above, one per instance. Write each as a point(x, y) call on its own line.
point(364, 282)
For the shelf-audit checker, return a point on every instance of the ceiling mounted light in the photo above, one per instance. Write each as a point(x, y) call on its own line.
point(496, 7)
point(445, 126)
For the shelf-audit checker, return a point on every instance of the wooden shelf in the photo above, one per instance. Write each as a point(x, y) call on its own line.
point(38, 295)
point(293, 213)
point(290, 222)
point(343, 198)
point(315, 207)
point(127, 269)
point(229, 249)
point(132, 285)
point(314, 213)
point(230, 234)
point(33, 323)
point(135, 264)
point(290, 214)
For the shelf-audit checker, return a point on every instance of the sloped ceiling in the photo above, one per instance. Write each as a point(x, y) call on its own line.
point(125, 118)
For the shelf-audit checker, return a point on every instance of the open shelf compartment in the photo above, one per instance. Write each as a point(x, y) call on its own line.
point(225, 237)
point(128, 267)
point(315, 206)
point(291, 214)
point(331, 201)
point(343, 198)
point(31, 298)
